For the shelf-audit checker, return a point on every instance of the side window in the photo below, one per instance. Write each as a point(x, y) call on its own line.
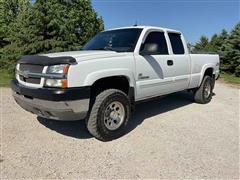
point(176, 42)
point(158, 38)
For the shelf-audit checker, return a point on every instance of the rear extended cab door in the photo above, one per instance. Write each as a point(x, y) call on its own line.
point(163, 73)
point(181, 68)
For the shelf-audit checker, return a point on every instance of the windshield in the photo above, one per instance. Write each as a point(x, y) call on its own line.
point(122, 40)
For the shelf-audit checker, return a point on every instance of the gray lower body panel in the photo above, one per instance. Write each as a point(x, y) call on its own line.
point(57, 110)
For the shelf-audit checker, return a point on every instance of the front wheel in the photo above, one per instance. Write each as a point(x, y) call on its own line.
point(203, 94)
point(109, 115)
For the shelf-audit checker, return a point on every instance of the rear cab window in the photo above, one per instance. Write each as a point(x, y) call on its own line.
point(176, 43)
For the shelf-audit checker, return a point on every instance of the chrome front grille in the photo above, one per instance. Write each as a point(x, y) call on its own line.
point(30, 68)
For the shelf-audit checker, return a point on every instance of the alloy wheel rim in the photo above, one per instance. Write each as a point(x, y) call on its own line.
point(114, 115)
point(207, 90)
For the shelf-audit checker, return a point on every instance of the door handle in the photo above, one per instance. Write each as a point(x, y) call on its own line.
point(169, 62)
point(140, 76)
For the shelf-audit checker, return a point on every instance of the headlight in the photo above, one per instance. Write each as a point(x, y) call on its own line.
point(57, 70)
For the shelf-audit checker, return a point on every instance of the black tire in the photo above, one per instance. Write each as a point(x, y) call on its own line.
point(199, 96)
point(95, 122)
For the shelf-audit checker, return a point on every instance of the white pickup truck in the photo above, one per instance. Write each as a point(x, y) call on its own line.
point(117, 68)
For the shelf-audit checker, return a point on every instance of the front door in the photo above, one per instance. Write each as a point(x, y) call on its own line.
point(152, 71)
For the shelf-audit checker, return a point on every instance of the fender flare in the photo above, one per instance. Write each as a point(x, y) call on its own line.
point(204, 68)
point(94, 76)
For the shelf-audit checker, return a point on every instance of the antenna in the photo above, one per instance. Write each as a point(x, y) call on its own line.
point(136, 23)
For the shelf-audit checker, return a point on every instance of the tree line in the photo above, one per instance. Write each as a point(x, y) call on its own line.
point(227, 45)
point(44, 26)
point(61, 25)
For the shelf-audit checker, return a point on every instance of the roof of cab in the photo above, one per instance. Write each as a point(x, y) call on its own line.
point(146, 27)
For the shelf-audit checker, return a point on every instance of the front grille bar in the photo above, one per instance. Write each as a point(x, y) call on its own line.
point(27, 74)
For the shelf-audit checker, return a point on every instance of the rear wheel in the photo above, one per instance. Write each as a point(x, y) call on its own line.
point(203, 94)
point(109, 115)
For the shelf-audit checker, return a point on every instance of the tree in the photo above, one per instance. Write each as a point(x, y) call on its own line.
point(218, 40)
point(212, 45)
point(230, 52)
point(227, 45)
point(216, 43)
point(9, 10)
point(202, 45)
point(51, 26)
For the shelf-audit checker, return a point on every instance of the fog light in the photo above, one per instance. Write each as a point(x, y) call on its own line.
point(56, 83)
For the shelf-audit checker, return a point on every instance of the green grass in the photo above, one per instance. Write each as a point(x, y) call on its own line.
point(230, 78)
point(5, 78)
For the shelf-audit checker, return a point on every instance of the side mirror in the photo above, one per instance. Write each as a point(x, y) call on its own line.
point(149, 49)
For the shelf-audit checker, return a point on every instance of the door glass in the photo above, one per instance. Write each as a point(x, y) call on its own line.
point(176, 42)
point(159, 39)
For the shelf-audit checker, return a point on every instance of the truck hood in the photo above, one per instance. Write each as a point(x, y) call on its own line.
point(88, 55)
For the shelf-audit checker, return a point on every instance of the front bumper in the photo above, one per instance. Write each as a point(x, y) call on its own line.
point(51, 103)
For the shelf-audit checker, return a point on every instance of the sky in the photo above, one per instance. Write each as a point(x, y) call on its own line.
point(192, 18)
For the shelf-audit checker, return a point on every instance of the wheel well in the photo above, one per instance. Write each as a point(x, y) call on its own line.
point(115, 82)
point(209, 72)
